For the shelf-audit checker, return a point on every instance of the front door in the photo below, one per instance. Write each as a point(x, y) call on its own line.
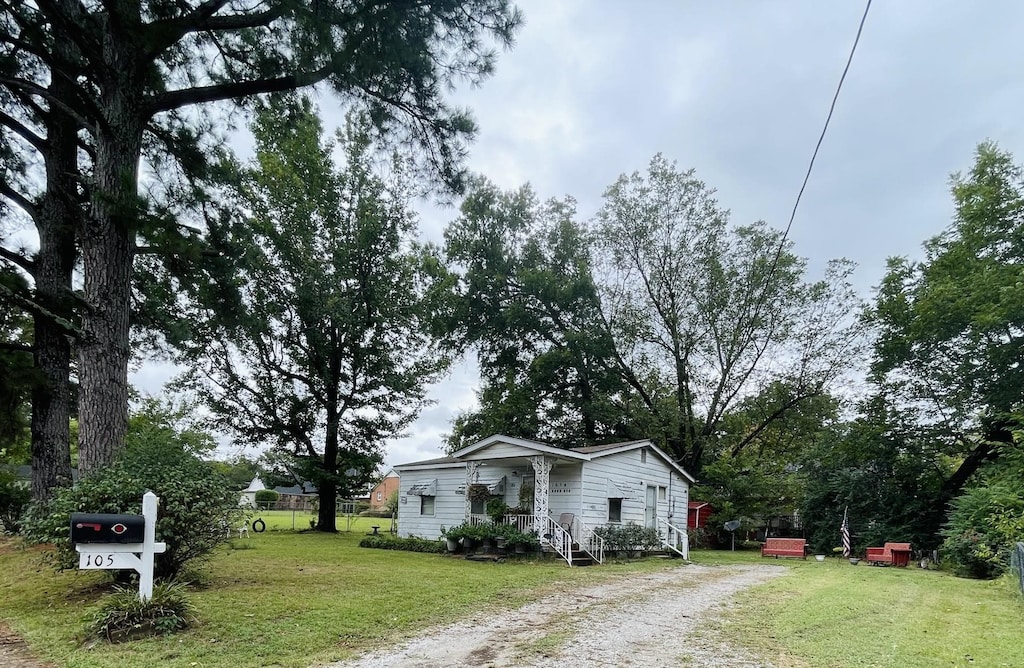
point(651, 512)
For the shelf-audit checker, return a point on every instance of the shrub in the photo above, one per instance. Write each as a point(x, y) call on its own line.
point(983, 525)
point(196, 505)
point(629, 537)
point(411, 544)
point(266, 498)
point(123, 616)
point(14, 497)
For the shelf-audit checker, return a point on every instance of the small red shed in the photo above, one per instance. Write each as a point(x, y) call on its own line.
point(697, 514)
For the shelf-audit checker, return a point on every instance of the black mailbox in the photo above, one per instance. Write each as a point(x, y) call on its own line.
point(104, 528)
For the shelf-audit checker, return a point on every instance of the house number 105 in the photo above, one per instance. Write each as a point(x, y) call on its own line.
point(98, 560)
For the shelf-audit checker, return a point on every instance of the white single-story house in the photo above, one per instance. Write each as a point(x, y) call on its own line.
point(562, 494)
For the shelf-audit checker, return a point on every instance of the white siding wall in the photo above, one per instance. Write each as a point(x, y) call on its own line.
point(628, 469)
point(501, 451)
point(449, 507)
point(564, 489)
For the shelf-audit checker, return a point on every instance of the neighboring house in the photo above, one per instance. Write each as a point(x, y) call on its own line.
point(573, 490)
point(248, 498)
point(297, 497)
point(383, 490)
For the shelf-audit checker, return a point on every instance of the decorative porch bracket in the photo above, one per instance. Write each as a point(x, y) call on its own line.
point(472, 470)
point(541, 472)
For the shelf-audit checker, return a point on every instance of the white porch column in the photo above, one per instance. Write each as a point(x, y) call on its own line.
point(472, 468)
point(541, 472)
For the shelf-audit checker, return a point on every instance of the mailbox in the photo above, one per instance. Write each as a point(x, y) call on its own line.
point(105, 528)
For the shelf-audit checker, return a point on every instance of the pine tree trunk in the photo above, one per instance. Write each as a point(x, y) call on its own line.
point(108, 243)
point(54, 264)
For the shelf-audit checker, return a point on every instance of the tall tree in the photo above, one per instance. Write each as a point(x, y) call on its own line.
point(328, 351)
point(527, 305)
point(704, 315)
point(40, 184)
point(135, 69)
point(949, 357)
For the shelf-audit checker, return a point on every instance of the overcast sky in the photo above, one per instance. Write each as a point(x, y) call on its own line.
point(739, 91)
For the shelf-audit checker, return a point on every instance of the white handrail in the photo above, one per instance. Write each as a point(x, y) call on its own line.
point(590, 542)
point(559, 539)
point(676, 539)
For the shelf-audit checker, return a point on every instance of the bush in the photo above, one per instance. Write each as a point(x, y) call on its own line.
point(266, 498)
point(196, 505)
point(123, 616)
point(411, 544)
point(14, 497)
point(629, 537)
point(983, 525)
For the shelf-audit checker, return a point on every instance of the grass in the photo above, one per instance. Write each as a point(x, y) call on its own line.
point(835, 615)
point(291, 600)
point(286, 600)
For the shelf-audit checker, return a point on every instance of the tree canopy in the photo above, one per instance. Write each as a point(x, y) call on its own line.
point(325, 350)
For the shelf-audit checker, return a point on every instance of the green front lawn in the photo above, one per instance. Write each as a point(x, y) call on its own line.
point(279, 599)
point(298, 599)
point(835, 615)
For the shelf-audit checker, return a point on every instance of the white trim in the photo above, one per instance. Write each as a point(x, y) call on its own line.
point(542, 448)
point(414, 466)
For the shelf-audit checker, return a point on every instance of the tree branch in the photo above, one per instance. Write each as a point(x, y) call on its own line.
point(187, 96)
point(14, 125)
point(23, 202)
point(19, 260)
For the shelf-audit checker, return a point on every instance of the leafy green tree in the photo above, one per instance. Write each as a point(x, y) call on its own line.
point(126, 76)
point(526, 303)
point(240, 471)
point(329, 352)
point(988, 519)
point(875, 467)
point(766, 478)
point(949, 355)
point(704, 315)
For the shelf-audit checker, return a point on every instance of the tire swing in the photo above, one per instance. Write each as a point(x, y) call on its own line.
point(259, 526)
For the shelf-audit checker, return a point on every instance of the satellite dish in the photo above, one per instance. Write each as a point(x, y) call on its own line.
point(732, 525)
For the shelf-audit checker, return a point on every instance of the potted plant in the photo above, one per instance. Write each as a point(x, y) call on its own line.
point(496, 510)
point(452, 537)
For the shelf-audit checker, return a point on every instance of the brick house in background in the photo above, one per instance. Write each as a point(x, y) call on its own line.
point(383, 490)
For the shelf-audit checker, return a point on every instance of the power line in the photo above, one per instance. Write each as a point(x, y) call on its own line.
point(824, 129)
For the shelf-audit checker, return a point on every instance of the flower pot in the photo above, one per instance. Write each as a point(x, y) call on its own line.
point(819, 557)
point(452, 544)
point(520, 548)
point(854, 561)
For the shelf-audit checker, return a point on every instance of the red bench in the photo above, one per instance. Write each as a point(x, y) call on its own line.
point(784, 547)
point(897, 554)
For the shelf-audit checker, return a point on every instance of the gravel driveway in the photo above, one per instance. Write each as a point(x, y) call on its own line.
point(652, 619)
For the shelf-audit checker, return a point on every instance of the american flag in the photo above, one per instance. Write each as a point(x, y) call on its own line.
point(845, 531)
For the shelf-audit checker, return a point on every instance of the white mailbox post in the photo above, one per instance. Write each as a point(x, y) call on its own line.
point(128, 556)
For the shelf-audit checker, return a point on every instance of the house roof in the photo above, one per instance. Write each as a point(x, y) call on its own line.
point(521, 442)
point(440, 462)
point(585, 453)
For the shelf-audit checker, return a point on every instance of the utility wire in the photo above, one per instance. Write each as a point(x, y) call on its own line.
point(821, 138)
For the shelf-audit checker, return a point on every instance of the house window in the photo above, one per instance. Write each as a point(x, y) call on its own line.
point(380, 496)
point(614, 510)
point(662, 493)
point(478, 506)
point(643, 456)
point(426, 505)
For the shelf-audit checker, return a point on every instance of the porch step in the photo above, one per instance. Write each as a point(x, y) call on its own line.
point(581, 558)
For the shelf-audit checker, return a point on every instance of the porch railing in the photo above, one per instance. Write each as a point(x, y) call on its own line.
point(558, 538)
point(589, 541)
point(675, 539)
point(523, 523)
